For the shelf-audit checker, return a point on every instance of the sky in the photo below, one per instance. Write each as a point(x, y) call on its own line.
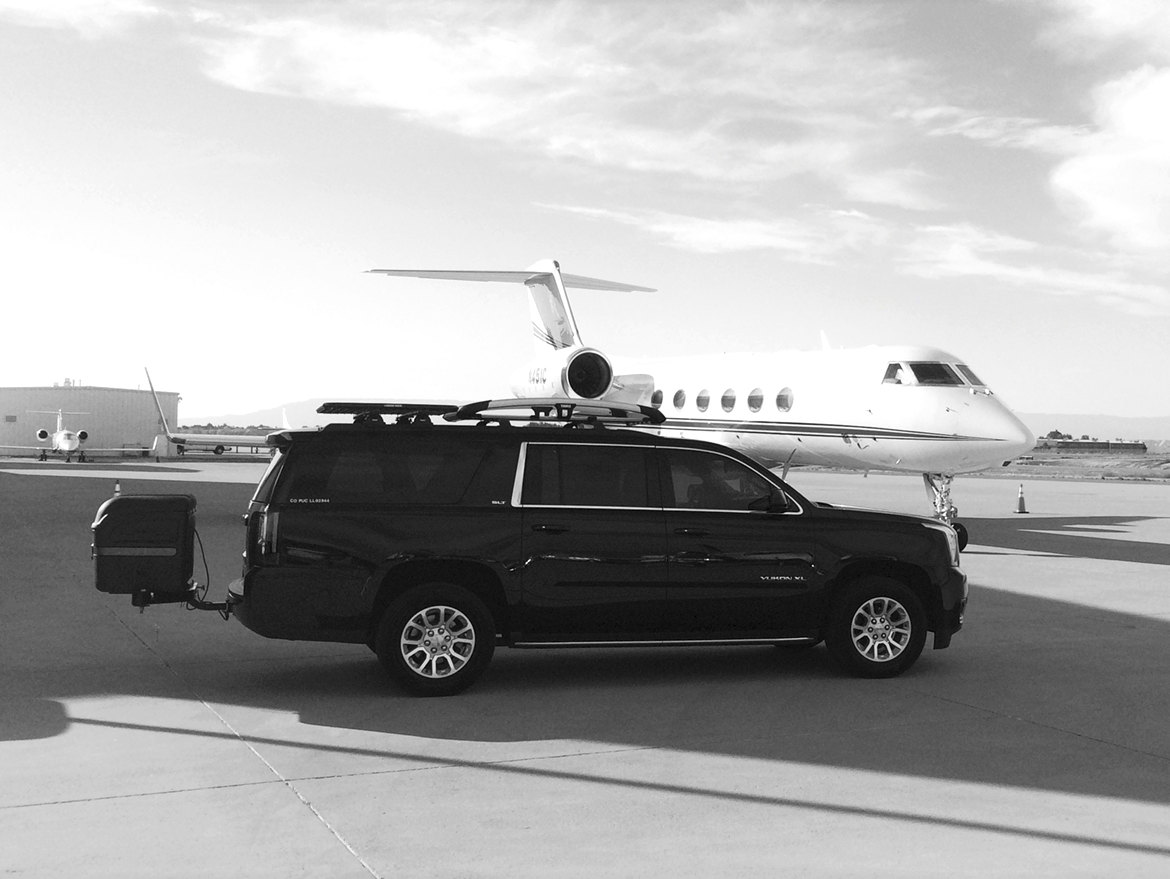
point(199, 188)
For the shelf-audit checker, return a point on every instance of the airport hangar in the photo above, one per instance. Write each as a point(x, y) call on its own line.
point(113, 418)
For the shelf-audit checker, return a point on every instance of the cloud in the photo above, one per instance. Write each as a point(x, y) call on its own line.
point(1118, 182)
point(90, 18)
point(961, 250)
point(1080, 28)
point(818, 236)
point(738, 94)
point(1111, 174)
point(966, 251)
point(1017, 132)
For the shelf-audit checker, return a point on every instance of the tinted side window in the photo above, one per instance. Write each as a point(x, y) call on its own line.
point(430, 469)
point(587, 476)
point(706, 481)
point(268, 480)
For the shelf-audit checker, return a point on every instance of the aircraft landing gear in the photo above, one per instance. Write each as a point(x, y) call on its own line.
point(938, 489)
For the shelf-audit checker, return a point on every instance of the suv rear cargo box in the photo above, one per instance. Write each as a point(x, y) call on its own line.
point(145, 545)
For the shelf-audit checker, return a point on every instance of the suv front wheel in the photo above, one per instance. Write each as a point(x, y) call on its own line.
point(436, 639)
point(877, 628)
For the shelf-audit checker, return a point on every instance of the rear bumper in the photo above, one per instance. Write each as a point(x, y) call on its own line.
point(302, 605)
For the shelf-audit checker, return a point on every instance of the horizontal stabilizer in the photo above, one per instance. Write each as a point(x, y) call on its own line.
point(552, 317)
point(522, 277)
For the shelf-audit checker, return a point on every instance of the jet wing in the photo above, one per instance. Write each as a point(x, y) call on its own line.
point(89, 450)
point(220, 439)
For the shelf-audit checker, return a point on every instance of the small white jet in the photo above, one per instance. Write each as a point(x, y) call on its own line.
point(64, 441)
point(910, 409)
point(217, 443)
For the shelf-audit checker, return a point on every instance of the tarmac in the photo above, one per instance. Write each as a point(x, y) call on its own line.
point(172, 743)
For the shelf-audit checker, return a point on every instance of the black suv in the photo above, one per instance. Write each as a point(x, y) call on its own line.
point(431, 542)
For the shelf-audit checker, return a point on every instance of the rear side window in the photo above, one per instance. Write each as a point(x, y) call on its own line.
point(587, 476)
point(420, 469)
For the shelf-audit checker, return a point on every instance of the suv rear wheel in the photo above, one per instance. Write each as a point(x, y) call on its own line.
point(436, 639)
point(877, 628)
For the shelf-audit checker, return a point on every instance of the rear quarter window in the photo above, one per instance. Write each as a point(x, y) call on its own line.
point(264, 489)
point(588, 476)
point(427, 469)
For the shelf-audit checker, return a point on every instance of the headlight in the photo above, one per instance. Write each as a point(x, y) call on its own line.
point(951, 538)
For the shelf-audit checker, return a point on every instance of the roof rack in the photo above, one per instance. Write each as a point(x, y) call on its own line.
point(544, 409)
point(371, 413)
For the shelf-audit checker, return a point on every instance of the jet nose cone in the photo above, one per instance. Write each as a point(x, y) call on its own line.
point(1016, 436)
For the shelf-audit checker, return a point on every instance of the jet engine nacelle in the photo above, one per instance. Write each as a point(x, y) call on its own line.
point(83, 435)
point(579, 373)
point(42, 434)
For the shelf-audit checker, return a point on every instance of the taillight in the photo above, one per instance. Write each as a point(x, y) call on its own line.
point(266, 539)
point(262, 536)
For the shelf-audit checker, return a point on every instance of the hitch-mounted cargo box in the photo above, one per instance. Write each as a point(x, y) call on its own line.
point(144, 545)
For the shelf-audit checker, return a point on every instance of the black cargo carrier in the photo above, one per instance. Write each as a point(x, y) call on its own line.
point(144, 545)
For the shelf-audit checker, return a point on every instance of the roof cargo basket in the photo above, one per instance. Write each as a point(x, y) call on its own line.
point(372, 413)
point(549, 409)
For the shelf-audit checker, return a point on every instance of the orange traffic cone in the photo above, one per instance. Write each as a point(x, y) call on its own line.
point(1020, 506)
point(117, 488)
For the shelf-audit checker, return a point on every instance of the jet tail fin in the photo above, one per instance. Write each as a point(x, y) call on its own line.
point(162, 416)
point(553, 325)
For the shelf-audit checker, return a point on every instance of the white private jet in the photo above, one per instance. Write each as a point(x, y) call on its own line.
point(64, 441)
point(217, 443)
point(914, 409)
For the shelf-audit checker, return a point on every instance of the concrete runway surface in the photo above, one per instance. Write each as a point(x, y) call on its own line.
point(171, 743)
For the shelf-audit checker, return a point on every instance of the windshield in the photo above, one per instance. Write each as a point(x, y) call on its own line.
point(935, 374)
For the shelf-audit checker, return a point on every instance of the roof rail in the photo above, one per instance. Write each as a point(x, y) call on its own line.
point(556, 409)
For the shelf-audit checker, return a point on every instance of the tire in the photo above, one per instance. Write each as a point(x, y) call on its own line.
point(436, 639)
point(877, 628)
point(961, 534)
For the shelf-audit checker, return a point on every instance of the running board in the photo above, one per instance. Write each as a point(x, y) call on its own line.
point(692, 642)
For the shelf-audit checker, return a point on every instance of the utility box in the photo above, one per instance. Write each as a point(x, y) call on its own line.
point(144, 545)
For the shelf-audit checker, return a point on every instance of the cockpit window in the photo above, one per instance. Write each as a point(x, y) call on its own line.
point(969, 374)
point(935, 374)
point(893, 374)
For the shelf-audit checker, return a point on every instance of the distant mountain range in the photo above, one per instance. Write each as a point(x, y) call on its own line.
point(1104, 427)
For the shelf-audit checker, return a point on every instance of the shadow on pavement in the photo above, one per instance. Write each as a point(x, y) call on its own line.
point(1023, 533)
point(1032, 693)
